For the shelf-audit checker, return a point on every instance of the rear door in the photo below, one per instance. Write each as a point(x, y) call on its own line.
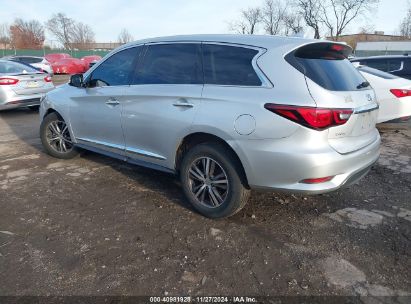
point(334, 82)
point(162, 101)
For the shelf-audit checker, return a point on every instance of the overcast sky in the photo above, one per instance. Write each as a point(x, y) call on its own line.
point(150, 18)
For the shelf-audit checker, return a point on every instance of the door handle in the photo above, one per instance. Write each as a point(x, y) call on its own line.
point(182, 102)
point(112, 101)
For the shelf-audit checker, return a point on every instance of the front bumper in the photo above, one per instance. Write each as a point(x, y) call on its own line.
point(282, 164)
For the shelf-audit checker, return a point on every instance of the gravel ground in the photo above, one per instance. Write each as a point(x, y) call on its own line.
point(98, 226)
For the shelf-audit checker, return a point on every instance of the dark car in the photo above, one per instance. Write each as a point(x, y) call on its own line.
point(399, 65)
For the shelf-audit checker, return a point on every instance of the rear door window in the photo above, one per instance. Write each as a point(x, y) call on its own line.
point(229, 65)
point(178, 63)
point(30, 60)
point(376, 72)
point(395, 65)
point(327, 67)
point(379, 64)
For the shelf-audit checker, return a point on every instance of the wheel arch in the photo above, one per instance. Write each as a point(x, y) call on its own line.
point(197, 138)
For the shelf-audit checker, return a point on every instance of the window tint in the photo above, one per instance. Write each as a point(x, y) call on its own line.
point(376, 72)
point(379, 64)
point(394, 65)
point(12, 67)
point(229, 65)
point(115, 70)
point(178, 63)
point(30, 60)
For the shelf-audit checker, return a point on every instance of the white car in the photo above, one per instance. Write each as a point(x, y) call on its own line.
point(393, 93)
point(37, 62)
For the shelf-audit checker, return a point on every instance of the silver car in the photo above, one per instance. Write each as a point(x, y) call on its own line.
point(226, 113)
point(40, 63)
point(22, 85)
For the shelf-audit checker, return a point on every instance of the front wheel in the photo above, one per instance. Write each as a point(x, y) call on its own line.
point(56, 138)
point(211, 180)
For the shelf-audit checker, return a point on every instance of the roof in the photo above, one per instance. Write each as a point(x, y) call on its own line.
point(381, 57)
point(264, 41)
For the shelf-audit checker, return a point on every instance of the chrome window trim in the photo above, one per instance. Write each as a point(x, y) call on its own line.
point(398, 70)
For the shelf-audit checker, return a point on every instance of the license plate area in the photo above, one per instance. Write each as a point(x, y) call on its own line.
point(32, 84)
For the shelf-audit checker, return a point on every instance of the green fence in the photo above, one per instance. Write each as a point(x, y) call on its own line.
point(41, 53)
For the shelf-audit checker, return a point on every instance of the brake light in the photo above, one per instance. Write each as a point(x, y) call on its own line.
point(8, 81)
point(337, 47)
point(47, 78)
point(317, 180)
point(400, 92)
point(314, 118)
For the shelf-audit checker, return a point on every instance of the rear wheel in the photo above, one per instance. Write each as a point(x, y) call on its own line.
point(56, 138)
point(212, 182)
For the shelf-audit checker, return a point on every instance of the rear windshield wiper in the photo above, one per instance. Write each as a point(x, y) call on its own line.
point(363, 85)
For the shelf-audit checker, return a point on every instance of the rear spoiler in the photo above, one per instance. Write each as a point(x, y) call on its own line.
point(323, 50)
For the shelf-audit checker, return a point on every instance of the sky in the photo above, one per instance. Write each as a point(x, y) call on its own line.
point(152, 18)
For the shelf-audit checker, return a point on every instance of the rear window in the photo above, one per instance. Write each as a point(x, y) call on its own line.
point(376, 72)
point(30, 60)
point(229, 65)
point(14, 68)
point(327, 65)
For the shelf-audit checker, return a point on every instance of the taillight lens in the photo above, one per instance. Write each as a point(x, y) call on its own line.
point(8, 81)
point(314, 118)
point(401, 93)
point(47, 78)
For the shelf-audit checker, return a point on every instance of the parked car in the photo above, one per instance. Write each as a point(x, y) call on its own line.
point(52, 58)
point(226, 113)
point(91, 60)
point(40, 63)
point(399, 65)
point(22, 85)
point(393, 94)
point(68, 66)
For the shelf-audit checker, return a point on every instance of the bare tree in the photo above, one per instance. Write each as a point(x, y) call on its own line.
point(82, 36)
point(292, 24)
point(4, 35)
point(61, 27)
point(405, 25)
point(27, 34)
point(250, 18)
point(273, 13)
point(125, 36)
point(310, 11)
point(336, 15)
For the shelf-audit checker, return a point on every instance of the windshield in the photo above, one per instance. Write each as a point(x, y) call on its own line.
point(15, 68)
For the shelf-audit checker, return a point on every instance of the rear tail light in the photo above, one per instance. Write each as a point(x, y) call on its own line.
point(314, 118)
point(317, 180)
point(401, 93)
point(8, 81)
point(47, 78)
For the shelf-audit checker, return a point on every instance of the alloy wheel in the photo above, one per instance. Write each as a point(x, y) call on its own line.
point(208, 182)
point(58, 136)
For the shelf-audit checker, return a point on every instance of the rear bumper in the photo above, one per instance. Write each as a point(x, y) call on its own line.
point(21, 101)
point(283, 164)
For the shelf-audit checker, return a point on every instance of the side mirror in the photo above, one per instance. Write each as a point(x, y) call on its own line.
point(76, 80)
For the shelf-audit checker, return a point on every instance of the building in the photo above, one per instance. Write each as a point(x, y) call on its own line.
point(354, 39)
point(374, 48)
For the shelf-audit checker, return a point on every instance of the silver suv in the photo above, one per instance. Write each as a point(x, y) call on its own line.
point(227, 113)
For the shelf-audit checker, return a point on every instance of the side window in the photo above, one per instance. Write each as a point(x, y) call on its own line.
point(115, 70)
point(30, 60)
point(229, 65)
point(178, 63)
point(394, 65)
point(379, 64)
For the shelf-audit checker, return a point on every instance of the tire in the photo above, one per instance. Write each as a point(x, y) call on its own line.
point(215, 198)
point(57, 144)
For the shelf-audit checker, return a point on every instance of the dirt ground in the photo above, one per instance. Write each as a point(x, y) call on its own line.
point(98, 226)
